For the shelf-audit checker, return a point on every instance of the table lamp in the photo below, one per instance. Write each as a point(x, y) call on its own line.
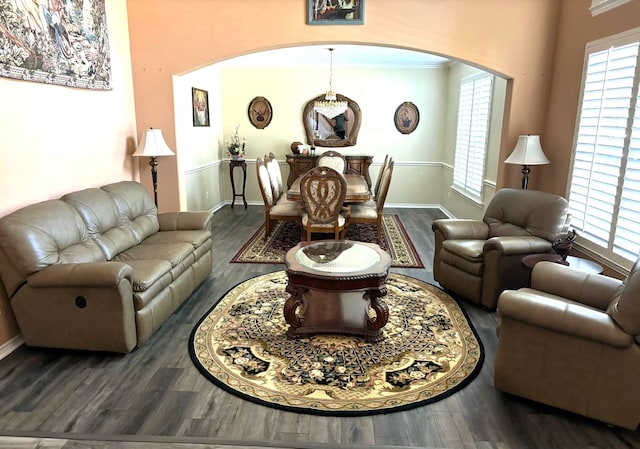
point(528, 151)
point(152, 145)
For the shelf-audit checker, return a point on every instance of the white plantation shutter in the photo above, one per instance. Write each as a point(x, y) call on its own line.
point(604, 196)
point(627, 235)
point(471, 136)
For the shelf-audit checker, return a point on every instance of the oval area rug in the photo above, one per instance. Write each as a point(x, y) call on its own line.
point(430, 351)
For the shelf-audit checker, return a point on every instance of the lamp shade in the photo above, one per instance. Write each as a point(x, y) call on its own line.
point(528, 151)
point(152, 144)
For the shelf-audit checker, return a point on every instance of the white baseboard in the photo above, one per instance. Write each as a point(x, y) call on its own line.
point(11, 346)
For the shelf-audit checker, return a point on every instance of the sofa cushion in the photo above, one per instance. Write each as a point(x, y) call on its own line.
point(136, 208)
point(174, 253)
point(464, 254)
point(526, 212)
point(146, 272)
point(625, 306)
point(100, 213)
point(468, 249)
point(195, 238)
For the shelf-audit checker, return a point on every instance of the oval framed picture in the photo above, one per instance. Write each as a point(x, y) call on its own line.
point(260, 112)
point(406, 117)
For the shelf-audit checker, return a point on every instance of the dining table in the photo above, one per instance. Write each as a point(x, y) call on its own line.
point(357, 189)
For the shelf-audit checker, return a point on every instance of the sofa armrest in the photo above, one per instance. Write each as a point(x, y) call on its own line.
point(556, 315)
point(524, 245)
point(96, 274)
point(461, 229)
point(182, 221)
point(587, 288)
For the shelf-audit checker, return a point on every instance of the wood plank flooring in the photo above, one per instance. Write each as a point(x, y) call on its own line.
point(155, 397)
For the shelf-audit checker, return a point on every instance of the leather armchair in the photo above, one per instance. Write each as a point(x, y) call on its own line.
point(478, 259)
point(572, 341)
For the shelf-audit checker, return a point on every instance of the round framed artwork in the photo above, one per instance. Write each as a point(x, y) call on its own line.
point(260, 112)
point(406, 117)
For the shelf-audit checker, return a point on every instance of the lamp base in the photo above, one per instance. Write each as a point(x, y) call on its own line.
point(153, 162)
point(525, 176)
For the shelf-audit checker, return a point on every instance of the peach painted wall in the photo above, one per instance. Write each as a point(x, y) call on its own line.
point(56, 139)
point(512, 38)
point(577, 28)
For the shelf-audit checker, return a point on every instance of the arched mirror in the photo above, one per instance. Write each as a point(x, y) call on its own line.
point(320, 130)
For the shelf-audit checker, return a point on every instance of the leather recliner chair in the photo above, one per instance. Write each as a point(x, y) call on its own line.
point(572, 341)
point(478, 259)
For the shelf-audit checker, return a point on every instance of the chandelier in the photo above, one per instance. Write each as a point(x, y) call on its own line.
point(330, 106)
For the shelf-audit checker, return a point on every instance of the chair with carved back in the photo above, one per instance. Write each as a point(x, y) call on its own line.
point(371, 212)
point(374, 192)
point(333, 159)
point(275, 175)
point(323, 191)
point(274, 210)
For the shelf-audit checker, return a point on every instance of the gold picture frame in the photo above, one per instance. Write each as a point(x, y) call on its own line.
point(200, 101)
point(260, 112)
point(406, 117)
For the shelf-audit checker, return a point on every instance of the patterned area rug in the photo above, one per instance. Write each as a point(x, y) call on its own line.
point(430, 351)
point(286, 235)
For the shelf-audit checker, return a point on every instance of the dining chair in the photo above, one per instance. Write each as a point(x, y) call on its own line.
point(374, 192)
point(274, 210)
point(371, 212)
point(323, 191)
point(275, 175)
point(333, 159)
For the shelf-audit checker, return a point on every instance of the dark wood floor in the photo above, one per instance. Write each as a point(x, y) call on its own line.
point(155, 394)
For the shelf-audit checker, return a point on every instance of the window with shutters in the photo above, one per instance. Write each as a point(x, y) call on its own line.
point(604, 193)
point(474, 110)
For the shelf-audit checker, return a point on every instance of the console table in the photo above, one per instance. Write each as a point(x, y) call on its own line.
point(302, 163)
point(332, 284)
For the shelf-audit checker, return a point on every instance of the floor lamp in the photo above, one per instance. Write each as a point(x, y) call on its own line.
point(152, 145)
point(528, 151)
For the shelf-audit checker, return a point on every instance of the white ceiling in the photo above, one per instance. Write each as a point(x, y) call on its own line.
point(343, 55)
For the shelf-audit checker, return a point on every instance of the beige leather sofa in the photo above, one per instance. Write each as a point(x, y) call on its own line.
point(100, 269)
point(572, 341)
point(478, 259)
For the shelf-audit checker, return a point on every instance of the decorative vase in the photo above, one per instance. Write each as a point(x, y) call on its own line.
point(563, 246)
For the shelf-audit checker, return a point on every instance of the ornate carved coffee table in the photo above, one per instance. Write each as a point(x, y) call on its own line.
point(337, 286)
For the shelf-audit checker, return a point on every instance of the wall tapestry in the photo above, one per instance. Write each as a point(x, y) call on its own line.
point(55, 42)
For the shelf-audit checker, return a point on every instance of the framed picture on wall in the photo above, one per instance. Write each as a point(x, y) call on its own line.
point(260, 112)
point(406, 117)
point(335, 12)
point(200, 107)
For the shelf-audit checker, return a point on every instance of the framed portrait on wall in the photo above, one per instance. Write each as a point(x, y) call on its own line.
point(200, 107)
point(260, 112)
point(406, 117)
point(335, 12)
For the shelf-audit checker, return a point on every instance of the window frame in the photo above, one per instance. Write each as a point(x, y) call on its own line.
point(464, 189)
point(607, 254)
